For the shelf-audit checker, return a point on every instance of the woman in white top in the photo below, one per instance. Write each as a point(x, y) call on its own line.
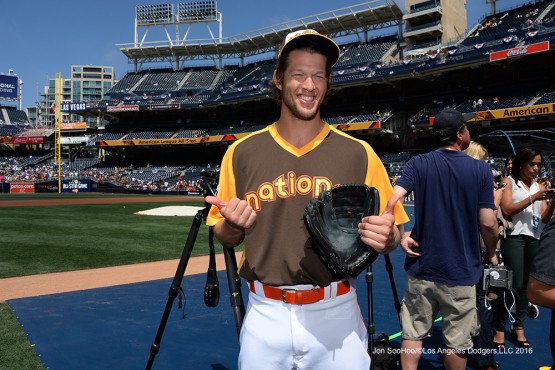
point(528, 204)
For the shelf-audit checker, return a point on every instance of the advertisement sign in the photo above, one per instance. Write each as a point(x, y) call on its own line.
point(164, 106)
point(527, 111)
point(46, 187)
point(73, 107)
point(22, 187)
point(22, 140)
point(173, 141)
point(122, 108)
point(74, 126)
point(519, 51)
point(74, 139)
point(76, 186)
point(8, 87)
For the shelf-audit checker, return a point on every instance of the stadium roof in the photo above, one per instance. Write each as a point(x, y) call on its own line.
point(351, 20)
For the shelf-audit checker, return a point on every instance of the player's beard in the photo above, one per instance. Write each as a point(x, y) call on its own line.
point(292, 102)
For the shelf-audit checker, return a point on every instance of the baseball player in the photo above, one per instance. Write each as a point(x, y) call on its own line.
point(300, 315)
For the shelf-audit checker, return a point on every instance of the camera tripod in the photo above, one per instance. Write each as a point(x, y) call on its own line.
point(369, 281)
point(211, 292)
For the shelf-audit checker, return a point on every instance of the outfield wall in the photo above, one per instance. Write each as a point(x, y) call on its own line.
point(78, 186)
point(29, 187)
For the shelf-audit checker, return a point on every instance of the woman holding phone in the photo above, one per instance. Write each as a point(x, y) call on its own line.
point(529, 205)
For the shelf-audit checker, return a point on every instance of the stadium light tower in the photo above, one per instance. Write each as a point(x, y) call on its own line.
point(492, 2)
point(200, 12)
point(20, 94)
point(188, 13)
point(182, 19)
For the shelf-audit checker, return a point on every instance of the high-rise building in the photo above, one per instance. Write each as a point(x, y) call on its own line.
point(87, 84)
point(429, 23)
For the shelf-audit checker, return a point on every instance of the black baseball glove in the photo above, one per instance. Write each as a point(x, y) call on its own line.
point(332, 220)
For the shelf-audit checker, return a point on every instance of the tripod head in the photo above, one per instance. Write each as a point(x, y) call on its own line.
point(209, 185)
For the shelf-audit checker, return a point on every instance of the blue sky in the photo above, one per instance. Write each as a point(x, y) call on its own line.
point(42, 38)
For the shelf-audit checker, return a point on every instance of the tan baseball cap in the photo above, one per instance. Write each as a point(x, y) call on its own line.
point(306, 37)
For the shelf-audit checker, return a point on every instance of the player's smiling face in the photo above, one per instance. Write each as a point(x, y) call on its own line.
point(304, 84)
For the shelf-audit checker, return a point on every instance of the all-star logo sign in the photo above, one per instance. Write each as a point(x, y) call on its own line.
point(8, 87)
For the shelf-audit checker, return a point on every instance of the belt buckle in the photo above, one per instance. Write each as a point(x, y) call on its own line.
point(283, 291)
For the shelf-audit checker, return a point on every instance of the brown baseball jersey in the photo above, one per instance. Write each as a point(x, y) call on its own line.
point(278, 180)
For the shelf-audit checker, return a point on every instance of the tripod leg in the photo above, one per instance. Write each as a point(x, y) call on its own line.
point(176, 284)
point(212, 287)
point(369, 282)
point(234, 283)
point(389, 268)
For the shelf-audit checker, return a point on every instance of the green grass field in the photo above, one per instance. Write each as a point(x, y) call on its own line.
point(38, 240)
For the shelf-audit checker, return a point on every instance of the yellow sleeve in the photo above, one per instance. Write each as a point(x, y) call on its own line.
point(226, 186)
point(376, 176)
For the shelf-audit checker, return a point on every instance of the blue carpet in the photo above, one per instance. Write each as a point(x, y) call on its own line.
point(114, 327)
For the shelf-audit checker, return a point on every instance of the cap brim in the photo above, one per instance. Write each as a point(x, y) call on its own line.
point(468, 116)
point(450, 123)
point(325, 44)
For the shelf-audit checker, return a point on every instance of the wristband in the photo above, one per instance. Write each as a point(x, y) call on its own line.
point(530, 199)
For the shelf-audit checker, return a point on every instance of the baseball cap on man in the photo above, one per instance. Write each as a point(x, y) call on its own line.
point(301, 38)
point(450, 118)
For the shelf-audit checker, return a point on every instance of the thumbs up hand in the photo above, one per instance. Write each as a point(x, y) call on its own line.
point(380, 232)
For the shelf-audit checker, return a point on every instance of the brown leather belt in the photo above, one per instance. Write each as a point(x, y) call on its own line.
point(294, 296)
